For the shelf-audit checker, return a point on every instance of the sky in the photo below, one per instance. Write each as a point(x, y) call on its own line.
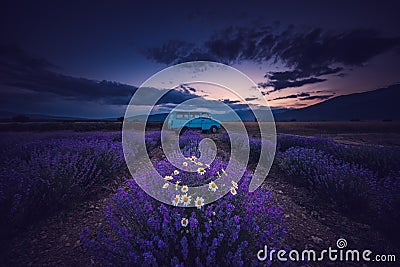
point(86, 58)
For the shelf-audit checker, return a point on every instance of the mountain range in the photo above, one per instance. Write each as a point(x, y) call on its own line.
point(379, 104)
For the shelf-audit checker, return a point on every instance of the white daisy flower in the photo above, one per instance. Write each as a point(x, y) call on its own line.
point(185, 164)
point(212, 186)
point(199, 202)
point(184, 222)
point(234, 184)
point(185, 199)
point(233, 191)
point(168, 178)
point(201, 171)
point(176, 172)
point(194, 158)
point(199, 163)
point(165, 185)
point(176, 200)
point(185, 188)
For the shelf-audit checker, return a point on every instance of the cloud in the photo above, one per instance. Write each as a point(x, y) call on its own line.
point(297, 78)
point(170, 51)
point(307, 96)
point(19, 70)
point(298, 74)
point(293, 96)
point(251, 98)
point(227, 46)
point(282, 84)
point(186, 88)
point(227, 101)
point(34, 86)
point(38, 78)
point(308, 54)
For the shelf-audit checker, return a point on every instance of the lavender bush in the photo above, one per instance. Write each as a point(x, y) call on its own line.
point(190, 138)
point(41, 174)
point(255, 145)
point(153, 140)
point(227, 232)
point(380, 159)
point(345, 184)
point(363, 180)
point(142, 231)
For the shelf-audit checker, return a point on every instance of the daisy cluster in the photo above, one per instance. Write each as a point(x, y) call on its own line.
point(141, 230)
point(185, 199)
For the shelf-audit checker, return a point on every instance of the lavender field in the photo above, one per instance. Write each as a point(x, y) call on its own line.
point(67, 197)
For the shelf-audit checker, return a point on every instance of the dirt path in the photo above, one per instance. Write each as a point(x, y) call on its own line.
point(55, 241)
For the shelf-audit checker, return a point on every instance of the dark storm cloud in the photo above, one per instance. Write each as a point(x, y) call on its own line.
point(186, 88)
point(285, 97)
point(293, 96)
point(19, 70)
point(170, 51)
point(251, 98)
point(282, 84)
point(296, 78)
point(227, 101)
point(309, 54)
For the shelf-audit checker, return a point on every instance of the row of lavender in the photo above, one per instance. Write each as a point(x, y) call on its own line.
point(360, 180)
point(141, 231)
point(363, 180)
point(42, 173)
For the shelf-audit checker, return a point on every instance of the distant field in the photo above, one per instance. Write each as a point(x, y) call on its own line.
point(352, 132)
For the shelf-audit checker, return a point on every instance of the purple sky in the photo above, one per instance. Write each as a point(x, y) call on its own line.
point(54, 54)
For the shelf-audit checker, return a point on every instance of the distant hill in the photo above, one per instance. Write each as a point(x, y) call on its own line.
point(244, 115)
point(160, 117)
point(8, 116)
point(380, 104)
